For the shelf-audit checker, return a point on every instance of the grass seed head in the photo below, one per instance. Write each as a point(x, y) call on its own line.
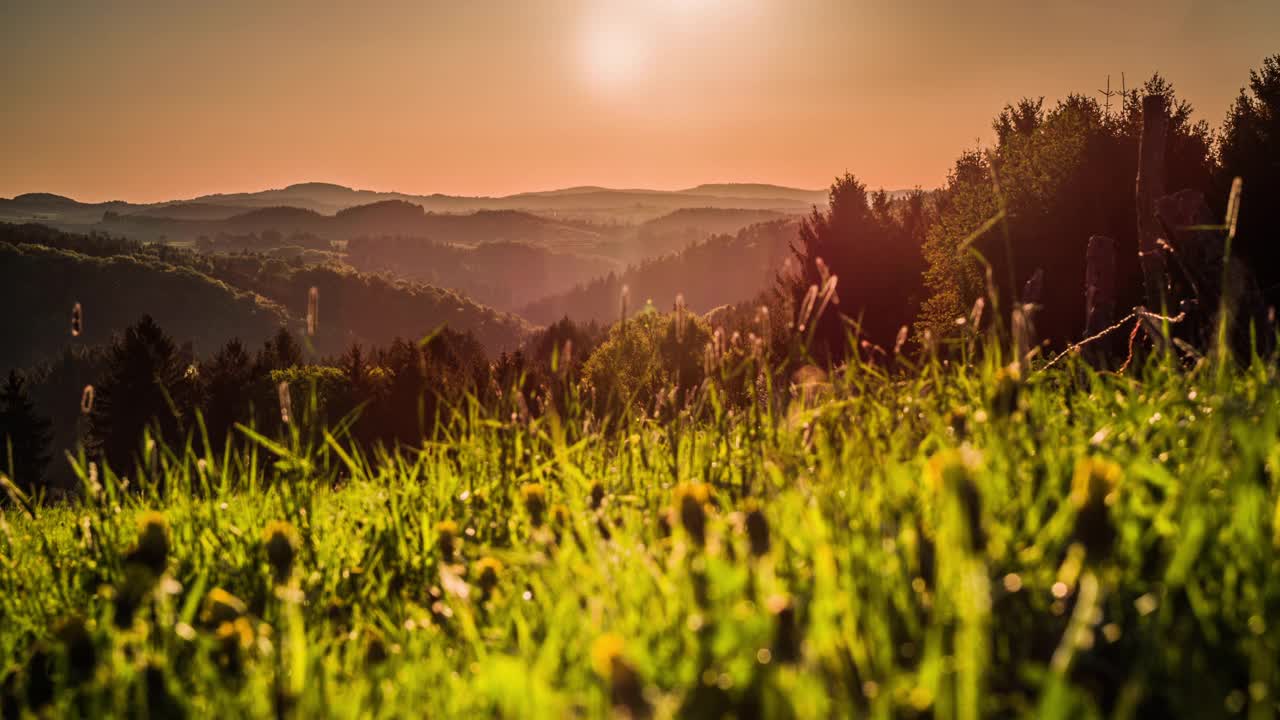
point(786, 632)
point(534, 497)
point(79, 649)
point(446, 539)
point(281, 542)
point(1093, 490)
point(375, 649)
point(152, 549)
point(757, 530)
point(953, 474)
point(488, 571)
point(234, 638)
point(626, 692)
point(221, 607)
point(560, 515)
point(1008, 390)
point(690, 502)
point(77, 320)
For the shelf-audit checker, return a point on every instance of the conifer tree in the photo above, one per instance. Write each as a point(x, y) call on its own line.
point(24, 435)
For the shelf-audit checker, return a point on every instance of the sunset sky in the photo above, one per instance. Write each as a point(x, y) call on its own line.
point(148, 101)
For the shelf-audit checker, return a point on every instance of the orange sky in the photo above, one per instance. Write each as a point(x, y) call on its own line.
point(146, 101)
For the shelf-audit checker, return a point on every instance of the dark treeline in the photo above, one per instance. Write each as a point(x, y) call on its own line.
point(145, 385)
point(1057, 176)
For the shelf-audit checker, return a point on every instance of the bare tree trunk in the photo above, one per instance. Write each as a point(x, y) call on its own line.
point(1150, 188)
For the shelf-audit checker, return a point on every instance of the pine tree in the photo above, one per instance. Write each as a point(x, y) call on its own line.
point(24, 435)
point(230, 380)
point(145, 386)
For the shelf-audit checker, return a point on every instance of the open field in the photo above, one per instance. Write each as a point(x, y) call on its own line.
point(933, 540)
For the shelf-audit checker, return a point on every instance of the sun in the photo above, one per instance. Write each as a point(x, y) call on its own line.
point(614, 52)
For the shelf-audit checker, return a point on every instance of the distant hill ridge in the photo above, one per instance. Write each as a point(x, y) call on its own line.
point(329, 198)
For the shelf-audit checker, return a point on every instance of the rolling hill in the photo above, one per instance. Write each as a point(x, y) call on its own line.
point(210, 299)
point(45, 283)
point(722, 270)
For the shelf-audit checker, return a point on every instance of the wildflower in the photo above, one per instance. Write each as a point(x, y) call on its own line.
point(1093, 491)
point(446, 537)
point(690, 503)
point(281, 542)
point(221, 607)
point(487, 571)
point(625, 691)
point(535, 502)
point(152, 549)
point(953, 473)
point(757, 530)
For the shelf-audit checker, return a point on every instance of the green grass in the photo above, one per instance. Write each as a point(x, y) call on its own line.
point(925, 558)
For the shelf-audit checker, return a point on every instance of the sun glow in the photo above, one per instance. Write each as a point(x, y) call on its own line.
point(615, 52)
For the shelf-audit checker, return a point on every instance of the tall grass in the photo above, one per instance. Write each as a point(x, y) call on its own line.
point(915, 537)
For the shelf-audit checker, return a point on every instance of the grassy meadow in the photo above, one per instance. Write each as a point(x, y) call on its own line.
point(913, 538)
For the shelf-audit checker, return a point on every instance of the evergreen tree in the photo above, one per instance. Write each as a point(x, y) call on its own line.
point(230, 380)
point(24, 435)
point(871, 245)
point(145, 386)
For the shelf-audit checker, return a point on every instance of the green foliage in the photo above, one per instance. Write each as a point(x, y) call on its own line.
point(647, 356)
point(1056, 177)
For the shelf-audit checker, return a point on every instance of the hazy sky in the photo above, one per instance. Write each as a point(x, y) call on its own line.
point(146, 101)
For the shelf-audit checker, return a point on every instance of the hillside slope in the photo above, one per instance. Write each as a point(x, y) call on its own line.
point(724, 269)
point(40, 285)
